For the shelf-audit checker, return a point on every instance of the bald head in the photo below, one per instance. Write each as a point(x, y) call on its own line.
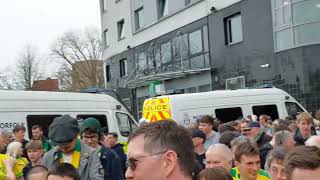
point(219, 155)
point(313, 141)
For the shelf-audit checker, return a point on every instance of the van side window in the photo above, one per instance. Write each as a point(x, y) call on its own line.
point(125, 123)
point(229, 114)
point(293, 108)
point(270, 110)
point(42, 120)
point(102, 118)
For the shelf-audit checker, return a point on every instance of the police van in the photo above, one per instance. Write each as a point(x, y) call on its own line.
point(29, 108)
point(226, 105)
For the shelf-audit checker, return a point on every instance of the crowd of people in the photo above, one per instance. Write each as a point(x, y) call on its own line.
point(72, 151)
point(253, 148)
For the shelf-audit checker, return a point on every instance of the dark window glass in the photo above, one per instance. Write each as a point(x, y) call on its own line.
point(42, 120)
point(123, 67)
point(270, 110)
point(229, 114)
point(126, 124)
point(293, 109)
point(108, 73)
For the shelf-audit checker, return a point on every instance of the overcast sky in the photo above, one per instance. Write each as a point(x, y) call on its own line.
point(40, 22)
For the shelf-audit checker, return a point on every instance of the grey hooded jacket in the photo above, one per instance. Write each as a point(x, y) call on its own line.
point(89, 168)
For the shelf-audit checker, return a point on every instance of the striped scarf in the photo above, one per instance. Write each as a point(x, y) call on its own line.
point(75, 161)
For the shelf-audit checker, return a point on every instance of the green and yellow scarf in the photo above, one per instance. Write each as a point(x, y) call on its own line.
point(75, 161)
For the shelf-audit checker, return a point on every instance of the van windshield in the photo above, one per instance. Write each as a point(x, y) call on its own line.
point(293, 109)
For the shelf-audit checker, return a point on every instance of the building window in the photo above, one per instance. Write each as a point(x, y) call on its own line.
point(104, 2)
point(123, 68)
point(163, 8)
point(139, 19)
point(195, 41)
point(108, 73)
point(166, 54)
point(106, 38)
point(293, 25)
point(121, 33)
point(187, 2)
point(141, 61)
point(233, 29)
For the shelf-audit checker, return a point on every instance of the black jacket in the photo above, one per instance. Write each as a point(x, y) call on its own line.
point(263, 139)
point(264, 151)
point(111, 164)
point(299, 139)
point(118, 148)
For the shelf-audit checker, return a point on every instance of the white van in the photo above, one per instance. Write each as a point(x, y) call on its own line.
point(226, 105)
point(29, 108)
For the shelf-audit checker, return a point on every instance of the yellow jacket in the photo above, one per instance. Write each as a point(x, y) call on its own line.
point(17, 169)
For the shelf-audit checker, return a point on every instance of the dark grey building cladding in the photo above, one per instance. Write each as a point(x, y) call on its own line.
point(295, 70)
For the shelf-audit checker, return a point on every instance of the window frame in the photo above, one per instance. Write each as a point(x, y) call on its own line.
point(123, 67)
point(163, 9)
point(121, 29)
point(228, 29)
point(104, 5)
point(106, 38)
point(138, 23)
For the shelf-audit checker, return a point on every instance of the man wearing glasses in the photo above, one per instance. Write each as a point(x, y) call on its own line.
point(160, 151)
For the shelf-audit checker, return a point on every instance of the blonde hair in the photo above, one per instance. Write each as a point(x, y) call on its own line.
point(304, 116)
point(13, 149)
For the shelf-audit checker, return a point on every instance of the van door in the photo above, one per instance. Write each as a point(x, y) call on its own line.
point(229, 114)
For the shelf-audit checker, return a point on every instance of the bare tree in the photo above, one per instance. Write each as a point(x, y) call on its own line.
point(27, 68)
point(79, 55)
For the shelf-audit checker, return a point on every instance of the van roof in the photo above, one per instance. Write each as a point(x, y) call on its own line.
point(55, 100)
point(46, 95)
point(230, 93)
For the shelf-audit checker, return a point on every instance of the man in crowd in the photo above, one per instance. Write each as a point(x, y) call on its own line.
point(247, 161)
point(303, 162)
point(37, 172)
point(91, 134)
point(265, 124)
point(313, 141)
point(258, 134)
point(63, 132)
point(275, 163)
point(304, 131)
point(198, 138)
point(7, 137)
point(281, 138)
point(158, 151)
point(111, 140)
point(219, 155)
point(63, 171)
point(35, 153)
point(19, 132)
point(206, 124)
point(37, 134)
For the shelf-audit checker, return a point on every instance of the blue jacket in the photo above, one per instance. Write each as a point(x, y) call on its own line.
point(111, 164)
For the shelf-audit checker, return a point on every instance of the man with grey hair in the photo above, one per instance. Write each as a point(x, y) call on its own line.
point(7, 137)
point(219, 155)
point(313, 141)
point(281, 138)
